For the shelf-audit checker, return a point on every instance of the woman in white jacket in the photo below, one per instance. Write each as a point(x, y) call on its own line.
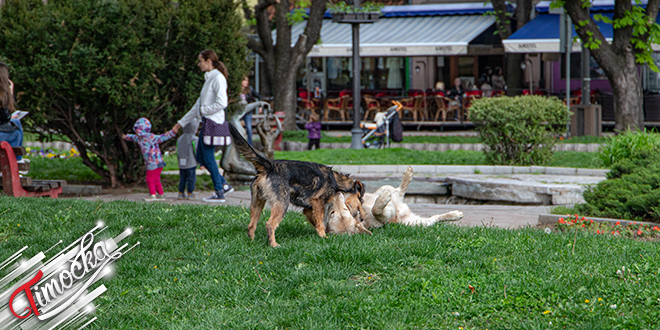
point(211, 105)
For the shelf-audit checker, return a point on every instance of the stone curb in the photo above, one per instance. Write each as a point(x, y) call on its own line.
point(470, 169)
point(551, 219)
point(81, 190)
point(302, 146)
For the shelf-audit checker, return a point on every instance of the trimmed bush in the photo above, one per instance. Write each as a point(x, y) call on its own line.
point(519, 130)
point(631, 191)
point(628, 144)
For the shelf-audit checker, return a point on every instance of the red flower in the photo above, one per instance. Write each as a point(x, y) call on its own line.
point(561, 220)
point(582, 225)
point(597, 231)
point(591, 221)
point(639, 232)
point(583, 218)
point(656, 228)
point(617, 223)
point(612, 232)
point(634, 223)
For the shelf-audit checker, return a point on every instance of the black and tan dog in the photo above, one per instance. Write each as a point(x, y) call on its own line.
point(305, 184)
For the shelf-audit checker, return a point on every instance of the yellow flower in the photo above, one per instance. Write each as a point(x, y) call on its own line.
point(175, 279)
point(28, 149)
point(155, 267)
point(586, 301)
point(261, 263)
point(19, 224)
point(600, 299)
point(546, 312)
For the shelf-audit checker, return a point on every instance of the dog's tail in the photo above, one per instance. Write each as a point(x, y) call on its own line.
point(245, 149)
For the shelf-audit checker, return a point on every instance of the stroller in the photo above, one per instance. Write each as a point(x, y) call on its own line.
point(377, 136)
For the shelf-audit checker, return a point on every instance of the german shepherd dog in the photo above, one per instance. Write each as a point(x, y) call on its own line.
point(305, 184)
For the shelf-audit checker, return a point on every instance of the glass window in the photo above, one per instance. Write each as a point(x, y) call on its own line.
point(576, 68)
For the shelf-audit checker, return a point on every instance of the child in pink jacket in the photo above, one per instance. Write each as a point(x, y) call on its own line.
point(149, 145)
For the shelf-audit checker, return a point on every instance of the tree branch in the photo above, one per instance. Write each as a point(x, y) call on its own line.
point(605, 54)
point(500, 11)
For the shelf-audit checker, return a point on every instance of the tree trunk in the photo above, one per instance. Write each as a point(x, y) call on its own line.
point(628, 97)
point(285, 100)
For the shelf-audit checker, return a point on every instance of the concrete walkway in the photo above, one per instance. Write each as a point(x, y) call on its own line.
point(507, 216)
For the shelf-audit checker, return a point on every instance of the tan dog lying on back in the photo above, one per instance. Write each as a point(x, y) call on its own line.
point(386, 205)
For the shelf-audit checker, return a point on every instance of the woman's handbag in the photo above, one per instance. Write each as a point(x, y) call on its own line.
point(214, 134)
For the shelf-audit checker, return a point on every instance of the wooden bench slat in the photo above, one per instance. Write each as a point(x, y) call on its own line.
point(19, 151)
point(37, 188)
point(23, 166)
point(51, 183)
point(25, 181)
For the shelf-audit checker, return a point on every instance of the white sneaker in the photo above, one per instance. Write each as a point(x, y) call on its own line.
point(151, 198)
point(218, 197)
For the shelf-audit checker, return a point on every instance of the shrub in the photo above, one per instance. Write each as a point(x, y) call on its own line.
point(88, 69)
point(519, 130)
point(631, 191)
point(628, 144)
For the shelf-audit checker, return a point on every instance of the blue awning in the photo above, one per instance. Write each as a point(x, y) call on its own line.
point(541, 35)
point(446, 9)
point(403, 36)
point(596, 5)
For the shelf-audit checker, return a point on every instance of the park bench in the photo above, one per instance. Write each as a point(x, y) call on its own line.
point(15, 185)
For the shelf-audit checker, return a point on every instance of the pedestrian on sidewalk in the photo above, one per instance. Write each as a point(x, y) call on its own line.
point(185, 153)
point(210, 105)
point(153, 158)
point(314, 128)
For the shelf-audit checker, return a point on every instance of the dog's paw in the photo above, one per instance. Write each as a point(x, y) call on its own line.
point(454, 215)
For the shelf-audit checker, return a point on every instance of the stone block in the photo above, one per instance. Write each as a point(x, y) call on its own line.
point(560, 171)
point(454, 169)
point(521, 170)
point(484, 169)
point(537, 169)
point(591, 172)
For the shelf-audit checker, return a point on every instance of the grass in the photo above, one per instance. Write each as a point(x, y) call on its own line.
point(197, 269)
point(301, 136)
point(400, 156)
point(73, 171)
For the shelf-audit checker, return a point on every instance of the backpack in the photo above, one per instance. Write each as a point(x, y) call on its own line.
point(397, 128)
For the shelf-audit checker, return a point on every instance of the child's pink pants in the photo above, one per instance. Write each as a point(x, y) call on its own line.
point(153, 181)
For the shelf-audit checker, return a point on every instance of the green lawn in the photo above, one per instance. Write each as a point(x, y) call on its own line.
point(74, 171)
point(301, 136)
point(197, 269)
point(400, 156)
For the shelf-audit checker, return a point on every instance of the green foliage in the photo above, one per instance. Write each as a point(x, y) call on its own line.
point(88, 69)
point(626, 145)
point(196, 269)
point(631, 191)
point(367, 7)
point(519, 130)
point(299, 13)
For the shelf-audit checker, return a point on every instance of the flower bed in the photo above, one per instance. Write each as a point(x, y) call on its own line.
point(632, 230)
point(51, 153)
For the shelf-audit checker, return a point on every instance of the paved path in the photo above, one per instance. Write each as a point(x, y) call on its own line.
point(500, 215)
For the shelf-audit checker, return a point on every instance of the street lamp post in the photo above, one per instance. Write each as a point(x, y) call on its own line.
point(356, 132)
point(355, 18)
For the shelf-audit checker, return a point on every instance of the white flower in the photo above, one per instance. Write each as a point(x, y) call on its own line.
point(548, 230)
point(456, 314)
point(613, 306)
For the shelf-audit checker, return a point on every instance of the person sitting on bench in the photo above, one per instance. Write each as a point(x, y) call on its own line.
point(11, 130)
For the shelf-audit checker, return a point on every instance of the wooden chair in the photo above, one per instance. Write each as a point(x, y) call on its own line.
point(415, 105)
point(340, 104)
point(444, 106)
point(15, 185)
point(467, 101)
point(372, 104)
point(306, 102)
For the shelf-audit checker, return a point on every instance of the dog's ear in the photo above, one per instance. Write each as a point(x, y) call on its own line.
point(359, 188)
